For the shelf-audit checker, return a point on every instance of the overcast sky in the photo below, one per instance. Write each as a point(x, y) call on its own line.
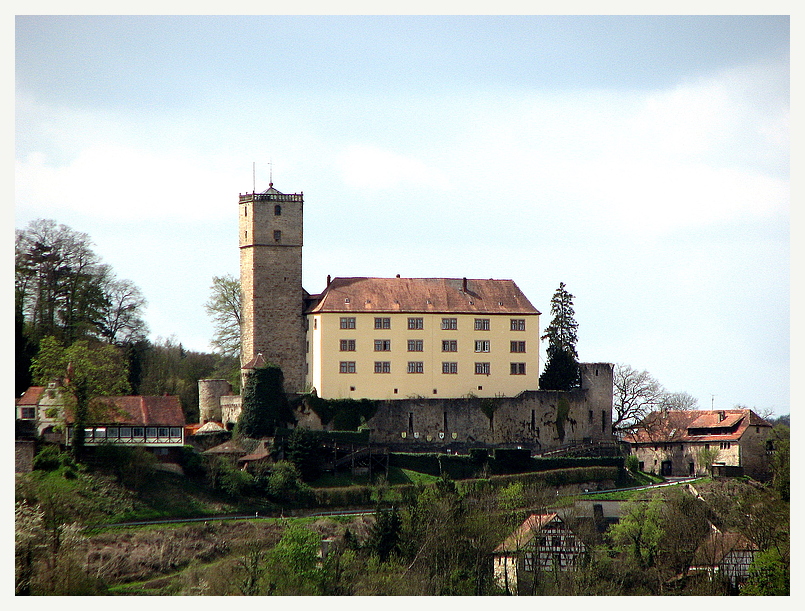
point(642, 161)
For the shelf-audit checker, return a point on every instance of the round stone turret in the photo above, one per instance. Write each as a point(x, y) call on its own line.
point(209, 399)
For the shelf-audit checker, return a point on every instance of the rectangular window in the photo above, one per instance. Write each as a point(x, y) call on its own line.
point(518, 369)
point(28, 413)
point(138, 432)
point(125, 432)
point(416, 323)
point(482, 324)
point(518, 346)
point(449, 345)
point(518, 324)
point(449, 324)
point(113, 432)
point(415, 345)
point(382, 345)
point(151, 432)
point(481, 345)
point(176, 431)
point(100, 433)
point(416, 367)
point(277, 235)
point(382, 366)
point(347, 322)
point(382, 323)
point(449, 367)
point(346, 367)
point(347, 345)
point(482, 369)
point(163, 432)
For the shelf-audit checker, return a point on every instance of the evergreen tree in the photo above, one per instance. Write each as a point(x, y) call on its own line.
point(384, 538)
point(265, 406)
point(562, 369)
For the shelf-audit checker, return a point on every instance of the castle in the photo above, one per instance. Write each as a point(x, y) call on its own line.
point(448, 361)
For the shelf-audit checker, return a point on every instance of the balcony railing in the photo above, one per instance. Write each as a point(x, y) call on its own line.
point(130, 435)
point(270, 197)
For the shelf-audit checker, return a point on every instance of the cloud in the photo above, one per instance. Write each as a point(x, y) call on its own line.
point(373, 168)
point(120, 181)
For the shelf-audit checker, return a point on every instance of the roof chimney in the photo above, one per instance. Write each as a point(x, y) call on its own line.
point(464, 285)
point(328, 279)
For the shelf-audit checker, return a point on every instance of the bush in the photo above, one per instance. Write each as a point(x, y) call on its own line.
point(632, 463)
point(50, 458)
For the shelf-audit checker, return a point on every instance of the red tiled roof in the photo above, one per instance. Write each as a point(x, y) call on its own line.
point(31, 396)
point(525, 532)
point(696, 425)
point(136, 411)
point(423, 295)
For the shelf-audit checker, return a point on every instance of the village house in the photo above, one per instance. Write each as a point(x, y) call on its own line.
point(156, 423)
point(728, 554)
point(542, 543)
point(687, 443)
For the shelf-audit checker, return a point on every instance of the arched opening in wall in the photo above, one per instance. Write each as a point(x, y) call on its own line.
point(277, 210)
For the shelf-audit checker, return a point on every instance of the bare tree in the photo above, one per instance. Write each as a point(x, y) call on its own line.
point(680, 401)
point(636, 394)
point(122, 320)
point(224, 307)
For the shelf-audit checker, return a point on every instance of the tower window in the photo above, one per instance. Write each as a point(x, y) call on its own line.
point(277, 235)
point(277, 210)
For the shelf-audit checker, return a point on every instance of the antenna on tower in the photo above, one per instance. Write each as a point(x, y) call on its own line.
point(254, 184)
point(270, 173)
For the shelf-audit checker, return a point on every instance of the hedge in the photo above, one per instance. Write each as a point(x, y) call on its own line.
point(504, 462)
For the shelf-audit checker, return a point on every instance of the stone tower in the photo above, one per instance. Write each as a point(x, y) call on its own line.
point(270, 238)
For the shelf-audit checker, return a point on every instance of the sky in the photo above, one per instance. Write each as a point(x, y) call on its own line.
point(643, 161)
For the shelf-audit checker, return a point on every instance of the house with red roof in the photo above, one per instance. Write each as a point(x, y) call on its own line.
point(543, 543)
point(687, 443)
point(148, 421)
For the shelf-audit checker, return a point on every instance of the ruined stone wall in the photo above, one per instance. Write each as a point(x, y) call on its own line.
point(538, 420)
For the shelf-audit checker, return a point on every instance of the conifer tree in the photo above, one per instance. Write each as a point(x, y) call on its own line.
point(562, 369)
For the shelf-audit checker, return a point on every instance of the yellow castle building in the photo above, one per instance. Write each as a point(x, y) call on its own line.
point(394, 338)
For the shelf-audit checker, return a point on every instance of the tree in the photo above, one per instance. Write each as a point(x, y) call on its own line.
point(57, 281)
point(88, 370)
point(264, 404)
point(679, 401)
point(636, 393)
point(562, 369)
point(640, 530)
point(224, 306)
point(121, 318)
